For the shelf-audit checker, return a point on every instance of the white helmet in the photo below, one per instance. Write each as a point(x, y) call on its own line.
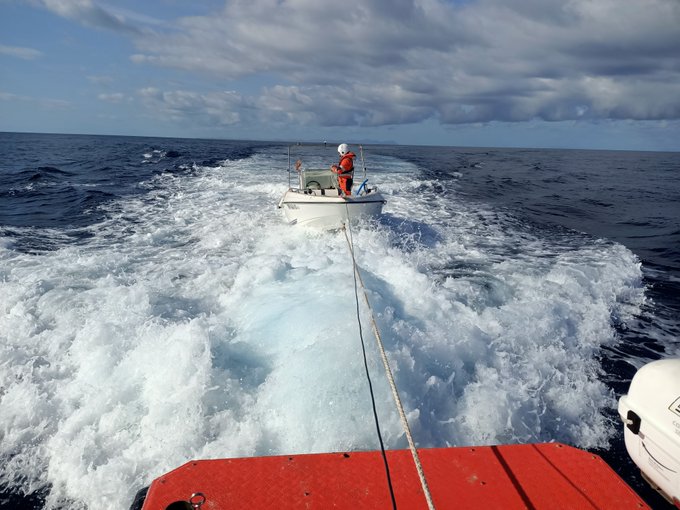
point(343, 149)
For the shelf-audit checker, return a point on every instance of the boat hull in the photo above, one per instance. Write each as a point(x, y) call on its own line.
point(318, 210)
point(651, 412)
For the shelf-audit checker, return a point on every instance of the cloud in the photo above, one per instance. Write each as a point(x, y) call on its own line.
point(210, 109)
point(382, 62)
point(304, 40)
point(90, 14)
point(100, 79)
point(43, 102)
point(389, 62)
point(115, 97)
point(19, 52)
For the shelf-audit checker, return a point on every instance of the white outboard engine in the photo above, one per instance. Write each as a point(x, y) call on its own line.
point(651, 414)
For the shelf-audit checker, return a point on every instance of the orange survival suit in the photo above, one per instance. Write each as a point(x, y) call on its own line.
point(345, 171)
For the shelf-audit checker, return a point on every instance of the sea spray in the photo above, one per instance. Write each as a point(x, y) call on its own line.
point(192, 322)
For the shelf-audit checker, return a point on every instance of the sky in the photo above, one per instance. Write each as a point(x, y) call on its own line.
point(596, 74)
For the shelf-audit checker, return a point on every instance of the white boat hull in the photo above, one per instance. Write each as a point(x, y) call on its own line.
point(651, 413)
point(319, 210)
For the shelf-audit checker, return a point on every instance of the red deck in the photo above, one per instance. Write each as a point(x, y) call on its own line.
point(539, 476)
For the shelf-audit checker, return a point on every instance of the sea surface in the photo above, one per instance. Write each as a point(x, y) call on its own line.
point(155, 307)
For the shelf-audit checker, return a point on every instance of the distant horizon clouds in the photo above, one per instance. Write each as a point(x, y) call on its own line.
point(581, 73)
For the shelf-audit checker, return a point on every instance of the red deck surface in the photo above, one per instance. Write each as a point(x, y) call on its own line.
point(541, 476)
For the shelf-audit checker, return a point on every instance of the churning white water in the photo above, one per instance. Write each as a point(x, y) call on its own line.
point(195, 323)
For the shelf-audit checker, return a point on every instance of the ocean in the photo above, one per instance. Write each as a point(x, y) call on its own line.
point(155, 307)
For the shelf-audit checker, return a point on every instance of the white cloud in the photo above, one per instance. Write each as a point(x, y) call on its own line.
point(100, 79)
point(385, 62)
point(20, 52)
point(400, 61)
point(215, 108)
point(43, 102)
point(115, 97)
point(90, 14)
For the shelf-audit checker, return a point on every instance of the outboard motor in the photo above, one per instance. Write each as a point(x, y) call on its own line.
point(651, 414)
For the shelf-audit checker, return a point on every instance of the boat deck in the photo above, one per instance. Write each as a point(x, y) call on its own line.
point(536, 476)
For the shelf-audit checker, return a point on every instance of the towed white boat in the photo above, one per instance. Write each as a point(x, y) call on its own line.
point(318, 202)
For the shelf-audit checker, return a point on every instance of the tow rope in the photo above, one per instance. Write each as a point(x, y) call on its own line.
point(388, 371)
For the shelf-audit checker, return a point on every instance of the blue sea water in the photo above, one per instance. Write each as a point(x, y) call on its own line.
point(155, 306)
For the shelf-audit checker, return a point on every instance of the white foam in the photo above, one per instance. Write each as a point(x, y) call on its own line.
point(197, 324)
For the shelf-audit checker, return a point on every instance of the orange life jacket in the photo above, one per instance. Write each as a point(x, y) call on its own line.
point(346, 165)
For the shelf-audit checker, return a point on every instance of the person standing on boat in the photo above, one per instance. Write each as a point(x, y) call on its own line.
point(345, 169)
